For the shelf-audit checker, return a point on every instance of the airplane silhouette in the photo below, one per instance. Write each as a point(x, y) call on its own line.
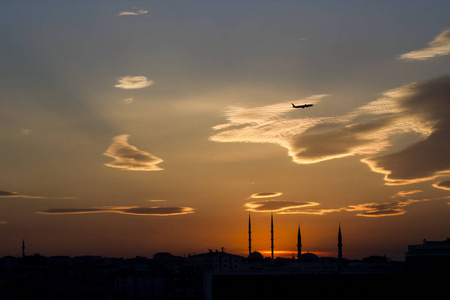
point(301, 106)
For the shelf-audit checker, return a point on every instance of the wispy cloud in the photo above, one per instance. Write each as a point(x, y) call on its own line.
point(277, 205)
point(406, 193)
point(126, 210)
point(419, 108)
point(129, 157)
point(133, 82)
point(128, 100)
point(137, 12)
point(437, 47)
point(308, 140)
point(26, 131)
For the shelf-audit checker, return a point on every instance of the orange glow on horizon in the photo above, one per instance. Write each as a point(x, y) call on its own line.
point(290, 253)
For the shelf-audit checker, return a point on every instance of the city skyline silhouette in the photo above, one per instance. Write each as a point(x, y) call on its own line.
point(220, 275)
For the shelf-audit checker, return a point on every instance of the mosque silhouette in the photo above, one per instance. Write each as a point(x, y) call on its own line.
point(301, 257)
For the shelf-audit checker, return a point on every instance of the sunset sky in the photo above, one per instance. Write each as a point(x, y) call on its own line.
point(134, 127)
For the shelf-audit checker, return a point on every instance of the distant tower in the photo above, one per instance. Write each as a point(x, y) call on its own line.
point(339, 243)
point(249, 235)
point(271, 231)
point(299, 243)
point(23, 248)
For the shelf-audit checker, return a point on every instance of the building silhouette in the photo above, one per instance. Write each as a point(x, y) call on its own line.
point(430, 257)
point(220, 275)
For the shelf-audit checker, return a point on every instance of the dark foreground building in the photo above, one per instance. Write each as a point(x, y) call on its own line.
point(424, 274)
point(218, 275)
point(292, 285)
point(431, 257)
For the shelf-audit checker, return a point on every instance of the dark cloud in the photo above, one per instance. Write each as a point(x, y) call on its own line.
point(393, 208)
point(345, 141)
point(73, 210)
point(128, 210)
point(428, 101)
point(385, 209)
point(9, 194)
point(129, 157)
point(444, 185)
point(158, 211)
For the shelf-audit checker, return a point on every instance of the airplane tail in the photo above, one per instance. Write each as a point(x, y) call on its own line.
point(293, 105)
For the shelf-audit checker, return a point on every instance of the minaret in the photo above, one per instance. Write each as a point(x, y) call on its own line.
point(271, 231)
point(249, 235)
point(299, 243)
point(23, 248)
point(339, 243)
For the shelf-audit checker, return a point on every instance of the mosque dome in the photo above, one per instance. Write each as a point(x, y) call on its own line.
point(309, 257)
point(256, 255)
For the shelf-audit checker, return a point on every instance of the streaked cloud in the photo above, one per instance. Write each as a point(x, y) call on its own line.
point(373, 209)
point(10, 194)
point(308, 140)
point(276, 205)
point(3, 222)
point(133, 82)
point(421, 109)
point(126, 210)
point(129, 157)
point(406, 193)
point(137, 12)
point(393, 208)
point(443, 185)
point(128, 100)
point(437, 47)
point(386, 209)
